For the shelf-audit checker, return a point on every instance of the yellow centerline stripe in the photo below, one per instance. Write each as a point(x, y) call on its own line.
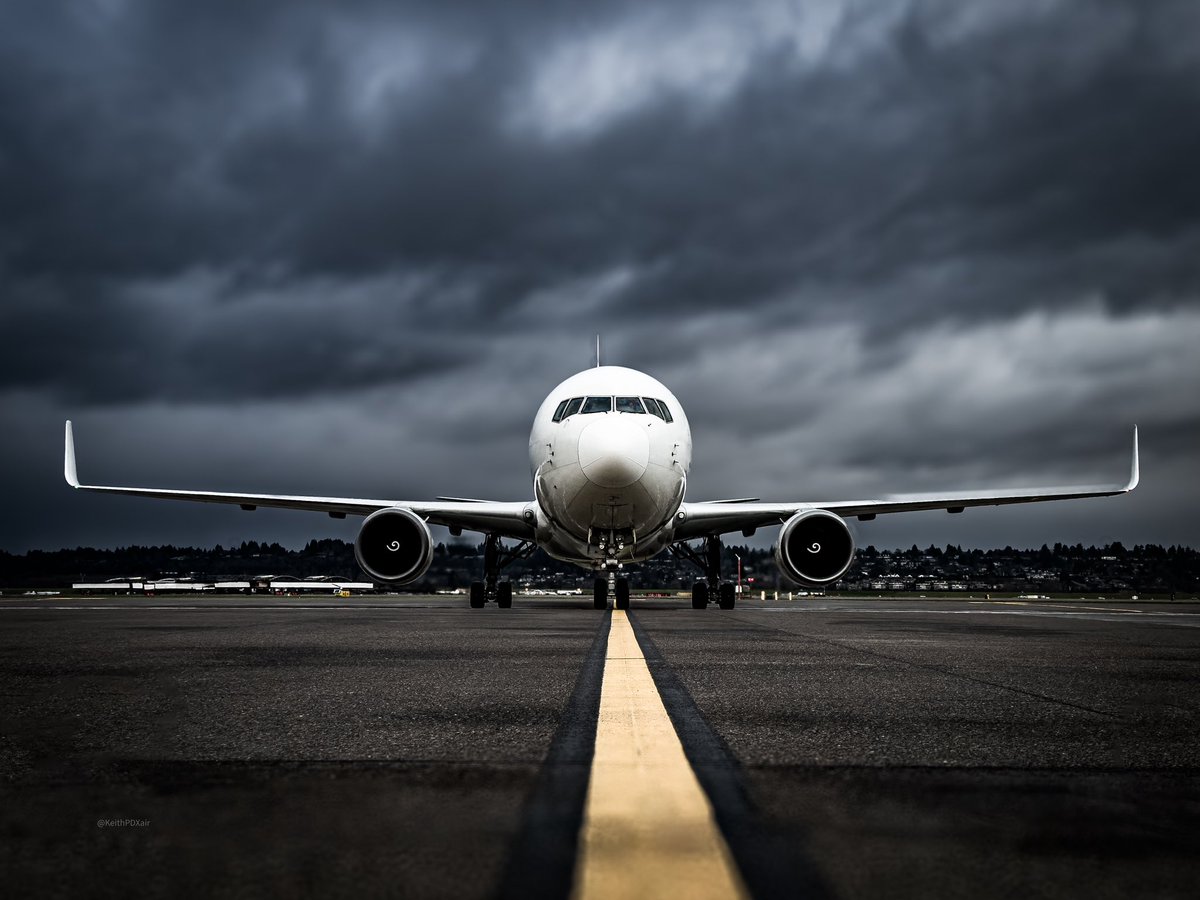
point(648, 829)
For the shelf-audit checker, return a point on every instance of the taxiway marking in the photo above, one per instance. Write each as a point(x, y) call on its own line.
point(648, 828)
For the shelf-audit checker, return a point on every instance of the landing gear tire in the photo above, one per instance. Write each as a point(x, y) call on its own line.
point(622, 593)
point(504, 595)
point(700, 595)
point(600, 594)
point(478, 595)
point(728, 595)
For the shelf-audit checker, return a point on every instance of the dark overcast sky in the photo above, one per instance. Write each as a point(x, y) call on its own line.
point(347, 249)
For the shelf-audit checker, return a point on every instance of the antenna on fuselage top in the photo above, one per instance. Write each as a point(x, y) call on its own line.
point(597, 351)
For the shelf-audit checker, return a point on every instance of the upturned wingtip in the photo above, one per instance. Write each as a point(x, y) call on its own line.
point(69, 470)
point(1135, 473)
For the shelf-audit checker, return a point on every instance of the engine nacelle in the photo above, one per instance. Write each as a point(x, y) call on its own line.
point(815, 547)
point(394, 545)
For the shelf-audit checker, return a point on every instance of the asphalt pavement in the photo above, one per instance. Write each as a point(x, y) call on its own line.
point(414, 747)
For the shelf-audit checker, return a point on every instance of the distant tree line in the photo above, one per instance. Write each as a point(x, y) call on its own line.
point(1061, 568)
point(1146, 567)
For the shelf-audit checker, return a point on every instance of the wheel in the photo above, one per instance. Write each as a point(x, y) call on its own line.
point(622, 593)
point(600, 594)
point(478, 597)
point(728, 596)
point(504, 595)
point(700, 595)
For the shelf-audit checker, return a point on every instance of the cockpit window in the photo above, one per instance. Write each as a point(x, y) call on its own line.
point(597, 405)
point(558, 413)
point(630, 405)
point(572, 407)
point(658, 408)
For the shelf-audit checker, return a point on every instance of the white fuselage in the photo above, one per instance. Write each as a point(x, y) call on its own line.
point(608, 482)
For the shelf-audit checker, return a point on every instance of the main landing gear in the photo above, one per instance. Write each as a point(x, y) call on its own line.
point(495, 557)
point(712, 589)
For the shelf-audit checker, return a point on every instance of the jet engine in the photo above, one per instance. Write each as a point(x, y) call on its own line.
point(815, 547)
point(394, 545)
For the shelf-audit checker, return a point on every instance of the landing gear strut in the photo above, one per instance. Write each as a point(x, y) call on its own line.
point(708, 560)
point(495, 557)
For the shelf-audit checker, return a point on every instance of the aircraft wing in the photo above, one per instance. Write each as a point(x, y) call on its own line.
point(719, 517)
point(514, 520)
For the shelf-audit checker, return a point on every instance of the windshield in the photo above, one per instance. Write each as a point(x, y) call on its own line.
point(658, 408)
point(630, 405)
point(597, 404)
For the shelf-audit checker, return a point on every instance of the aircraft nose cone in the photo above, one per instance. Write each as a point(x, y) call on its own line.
point(613, 453)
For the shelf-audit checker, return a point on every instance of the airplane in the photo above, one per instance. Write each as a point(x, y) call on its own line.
point(610, 451)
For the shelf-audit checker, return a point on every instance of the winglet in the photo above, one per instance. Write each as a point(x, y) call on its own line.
point(69, 459)
point(1134, 469)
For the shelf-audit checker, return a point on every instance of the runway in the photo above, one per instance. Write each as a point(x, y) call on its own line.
point(413, 747)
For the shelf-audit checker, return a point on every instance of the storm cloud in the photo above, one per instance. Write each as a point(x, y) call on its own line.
point(347, 248)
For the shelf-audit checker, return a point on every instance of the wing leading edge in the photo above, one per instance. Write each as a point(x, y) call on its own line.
point(703, 519)
point(513, 520)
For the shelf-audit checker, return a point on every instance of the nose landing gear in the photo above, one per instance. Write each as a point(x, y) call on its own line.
point(617, 587)
point(613, 545)
point(600, 593)
point(622, 593)
point(613, 585)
